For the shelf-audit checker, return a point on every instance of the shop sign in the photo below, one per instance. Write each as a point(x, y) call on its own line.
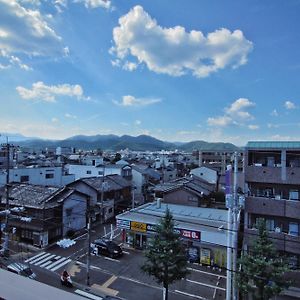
point(125, 224)
point(137, 226)
point(205, 256)
point(193, 254)
point(190, 234)
point(151, 227)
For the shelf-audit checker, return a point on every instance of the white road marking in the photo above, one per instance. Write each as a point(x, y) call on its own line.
point(205, 284)
point(55, 263)
point(190, 295)
point(44, 260)
point(112, 259)
point(39, 258)
point(207, 273)
point(36, 256)
point(88, 295)
point(60, 265)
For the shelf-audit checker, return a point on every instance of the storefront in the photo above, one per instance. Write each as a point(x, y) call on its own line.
point(201, 230)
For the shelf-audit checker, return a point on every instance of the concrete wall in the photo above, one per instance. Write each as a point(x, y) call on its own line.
point(38, 176)
point(74, 213)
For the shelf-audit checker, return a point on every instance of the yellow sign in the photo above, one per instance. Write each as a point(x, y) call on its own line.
point(137, 226)
point(205, 256)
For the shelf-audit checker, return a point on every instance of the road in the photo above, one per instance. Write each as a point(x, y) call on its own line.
point(122, 277)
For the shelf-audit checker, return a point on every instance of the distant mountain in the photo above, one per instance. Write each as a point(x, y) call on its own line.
point(206, 146)
point(116, 143)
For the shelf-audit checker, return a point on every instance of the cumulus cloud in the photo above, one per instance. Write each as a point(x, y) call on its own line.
point(43, 92)
point(70, 116)
point(236, 114)
point(95, 3)
point(253, 127)
point(289, 105)
point(129, 100)
point(174, 51)
point(25, 31)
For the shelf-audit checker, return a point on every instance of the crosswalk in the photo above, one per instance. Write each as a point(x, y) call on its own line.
point(49, 261)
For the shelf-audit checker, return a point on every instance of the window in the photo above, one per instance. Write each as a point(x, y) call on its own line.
point(110, 210)
point(270, 224)
point(68, 212)
point(89, 172)
point(27, 234)
point(294, 195)
point(24, 178)
point(49, 175)
point(294, 229)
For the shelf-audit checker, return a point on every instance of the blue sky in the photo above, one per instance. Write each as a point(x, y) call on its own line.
point(177, 70)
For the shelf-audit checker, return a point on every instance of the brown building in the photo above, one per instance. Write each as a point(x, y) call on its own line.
point(272, 177)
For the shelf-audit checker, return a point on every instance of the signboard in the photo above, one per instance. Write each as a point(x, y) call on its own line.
point(124, 224)
point(151, 227)
point(137, 226)
point(205, 256)
point(190, 234)
point(193, 254)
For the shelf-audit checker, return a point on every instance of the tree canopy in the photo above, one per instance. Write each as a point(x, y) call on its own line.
point(262, 268)
point(165, 256)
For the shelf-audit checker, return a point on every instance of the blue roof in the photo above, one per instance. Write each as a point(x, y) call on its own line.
point(274, 145)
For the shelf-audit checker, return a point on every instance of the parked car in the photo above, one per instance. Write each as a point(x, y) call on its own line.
point(107, 248)
point(21, 269)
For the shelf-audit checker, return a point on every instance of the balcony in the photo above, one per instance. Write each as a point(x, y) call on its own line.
point(273, 207)
point(272, 174)
point(263, 174)
point(282, 241)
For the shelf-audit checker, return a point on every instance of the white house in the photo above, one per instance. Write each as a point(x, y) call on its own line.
point(206, 174)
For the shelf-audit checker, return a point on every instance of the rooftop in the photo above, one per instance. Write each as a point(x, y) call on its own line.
point(273, 145)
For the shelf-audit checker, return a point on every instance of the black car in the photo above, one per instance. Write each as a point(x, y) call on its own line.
point(107, 248)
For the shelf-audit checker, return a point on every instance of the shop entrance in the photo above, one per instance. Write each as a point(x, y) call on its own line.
point(140, 241)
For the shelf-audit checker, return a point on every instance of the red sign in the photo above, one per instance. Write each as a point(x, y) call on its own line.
point(189, 234)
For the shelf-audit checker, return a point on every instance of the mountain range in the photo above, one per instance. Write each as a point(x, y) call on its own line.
point(114, 142)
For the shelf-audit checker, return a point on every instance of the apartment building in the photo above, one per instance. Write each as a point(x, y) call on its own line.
point(272, 178)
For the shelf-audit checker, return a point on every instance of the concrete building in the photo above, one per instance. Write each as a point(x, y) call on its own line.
point(272, 176)
point(203, 230)
point(48, 213)
point(47, 176)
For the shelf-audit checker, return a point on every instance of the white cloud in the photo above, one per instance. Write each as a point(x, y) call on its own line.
point(43, 92)
point(95, 3)
point(289, 105)
point(174, 51)
point(137, 122)
point(69, 116)
point(274, 113)
point(129, 100)
point(12, 60)
point(253, 127)
point(27, 31)
point(221, 121)
point(129, 66)
point(236, 114)
point(54, 120)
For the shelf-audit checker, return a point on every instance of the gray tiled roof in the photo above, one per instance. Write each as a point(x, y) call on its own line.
point(36, 196)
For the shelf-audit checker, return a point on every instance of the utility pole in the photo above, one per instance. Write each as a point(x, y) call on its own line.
point(232, 204)
point(235, 211)
point(229, 203)
point(102, 195)
point(88, 257)
point(6, 233)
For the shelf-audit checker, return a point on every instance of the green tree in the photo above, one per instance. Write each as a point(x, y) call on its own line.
point(117, 157)
point(166, 256)
point(262, 269)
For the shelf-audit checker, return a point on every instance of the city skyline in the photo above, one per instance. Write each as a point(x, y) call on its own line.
point(213, 71)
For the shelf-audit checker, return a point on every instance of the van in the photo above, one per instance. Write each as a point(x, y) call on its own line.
point(21, 269)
